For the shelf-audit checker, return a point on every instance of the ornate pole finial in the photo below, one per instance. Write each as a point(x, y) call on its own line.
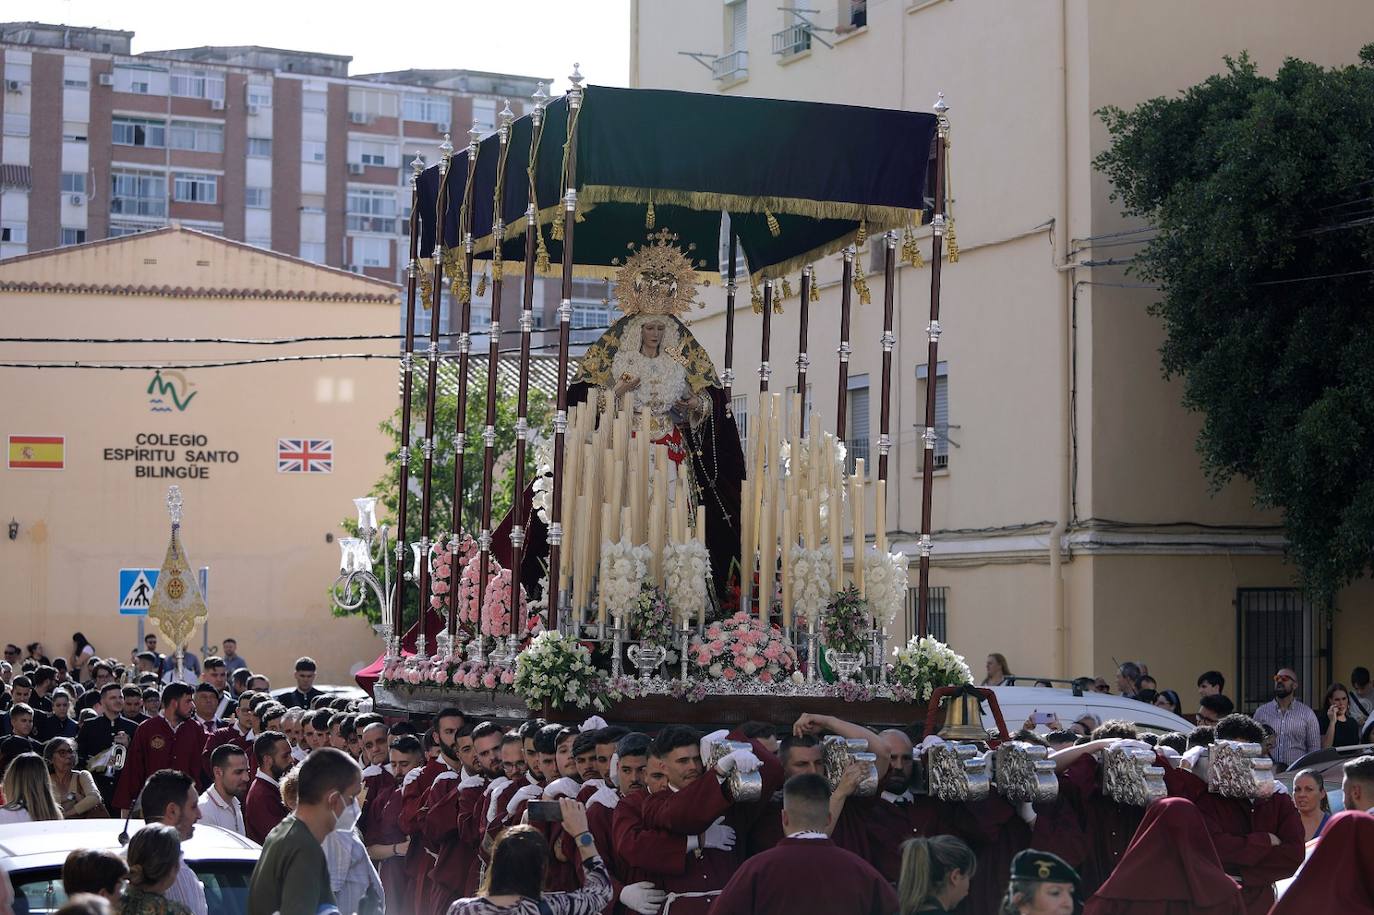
point(446, 148)
point(540, 98)
point(505, 119)
point(941, 109)
point(474, 134)
point(174, 504)
point(417, 166)
point(575, 80)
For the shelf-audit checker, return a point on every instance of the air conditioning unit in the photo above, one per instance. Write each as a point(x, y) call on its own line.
point(76, 200)
point(216, 104)
point(359, 117)
point(355, 168)
point(106, 79)
point(12, 85)
point(353, 268)
point(252, 109)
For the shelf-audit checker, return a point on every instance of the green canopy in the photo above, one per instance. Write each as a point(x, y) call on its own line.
point(796, 178)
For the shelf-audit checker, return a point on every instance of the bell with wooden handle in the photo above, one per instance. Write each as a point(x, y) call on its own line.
point(963, 717)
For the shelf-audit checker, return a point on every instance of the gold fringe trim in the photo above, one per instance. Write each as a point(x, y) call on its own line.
point(786, 288)
point(878, 216)
point(815, 290)
point(951, 243)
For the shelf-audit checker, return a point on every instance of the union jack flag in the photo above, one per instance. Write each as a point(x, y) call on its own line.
point(305, 455)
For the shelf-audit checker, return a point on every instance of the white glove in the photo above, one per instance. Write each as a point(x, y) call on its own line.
point(743, 760)
point(1170, 754)
point(497, 785)
point(642, 897)
point(1128, 744)
point(606, 797)
point(472, 781)
point(711, 740)
point(527, 793)
point(718, 835)
point(561, 787)
point(932, 740)
point(491, 804)
point(1191, 757)
point(1026, 811)
point(594, 782)
point(594, 723)
point(1278, 788)
point(615, 769)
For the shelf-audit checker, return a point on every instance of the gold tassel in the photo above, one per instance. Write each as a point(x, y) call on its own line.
point(579, 216)
point(496, 269)
point(917, 259)
point(951, 243)
point(558, 224)
point(426, 288)
point(861, 287)
point(786, 288)
point(650, 217)
point(862, 238)
point(773, 228)
point(755, 295)
point(777, 305)
point(541, 253)
point(815, 290)
point(482, 286)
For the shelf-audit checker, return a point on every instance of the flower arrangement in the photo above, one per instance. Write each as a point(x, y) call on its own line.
point(685, 568)
point(557, 669)
point(623, 570)
point(542, 485)
point(445, 558)
point(812, 572)
point(651, 619)
point(885, 584)
point(845, 622)
point(496, 604)
point(469, 606)
point(926, 664)
point(741, 646)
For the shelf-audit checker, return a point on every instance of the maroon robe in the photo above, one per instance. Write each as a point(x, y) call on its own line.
point(380, 825)
point(418, 860)
point(600, 821)
point(219, 738)
point(850, 832)
point(890, 824)
point(156, 745)
point(1108, 827)
point(638, 852)
point(1240, 830)
point(805, 875)
point(438, 830)
point(263, 809)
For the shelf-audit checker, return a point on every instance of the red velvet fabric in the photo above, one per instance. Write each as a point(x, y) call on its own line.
point(1171, 867)
point(1339, 877)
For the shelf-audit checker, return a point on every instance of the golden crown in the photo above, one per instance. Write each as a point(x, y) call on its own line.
point(658, 278)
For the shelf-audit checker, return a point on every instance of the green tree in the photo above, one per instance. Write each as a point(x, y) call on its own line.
point(1261, 192)
point(388, 487)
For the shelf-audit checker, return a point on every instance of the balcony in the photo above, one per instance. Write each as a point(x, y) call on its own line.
point(794, 39)
point(731, 67)
point(138, 206)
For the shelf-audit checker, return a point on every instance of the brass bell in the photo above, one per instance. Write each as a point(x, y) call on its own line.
point(963, 718)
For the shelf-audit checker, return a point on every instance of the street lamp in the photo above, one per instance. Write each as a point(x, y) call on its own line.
point(357, 558)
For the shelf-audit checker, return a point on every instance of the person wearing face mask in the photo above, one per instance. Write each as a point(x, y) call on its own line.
point(1041, 884)
point(356, 885)
point(1295, 724)
point(292, 875)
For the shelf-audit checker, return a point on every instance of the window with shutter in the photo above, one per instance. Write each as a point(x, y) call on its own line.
point(739, 25)
point(941, 414)
point(856, 418)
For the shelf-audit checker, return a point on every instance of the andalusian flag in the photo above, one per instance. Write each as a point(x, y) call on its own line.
point(37, 452)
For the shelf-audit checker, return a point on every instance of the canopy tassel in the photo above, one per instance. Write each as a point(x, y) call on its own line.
point(786, 288)
point(755, 294)
point(773, 228)
point(650, 217)
point(951, 242)
point(482, 286)
point(815, 290)
point(541, 253)
point(558, 224)
point(861, 285)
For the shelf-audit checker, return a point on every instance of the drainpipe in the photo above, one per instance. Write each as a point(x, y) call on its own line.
point(1065, 328)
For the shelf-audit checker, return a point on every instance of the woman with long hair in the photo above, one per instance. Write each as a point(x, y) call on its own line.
point(514, 883)
point(998, 670)
point(1314, 809)
point(74, 788)
point(935, 874)
point(28, 793)
point(1338, 727)
point(154, 859)
point(82, 651)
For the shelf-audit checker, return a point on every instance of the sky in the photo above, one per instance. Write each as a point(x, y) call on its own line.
point(539, 38)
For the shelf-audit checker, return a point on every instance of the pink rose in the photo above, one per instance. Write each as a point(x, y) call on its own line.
point(507, 677)
point(765, 677)
point(773, 651)
point(728, 673)
point(489, 681)
point(717, 645)
point(440, 587)
point(471, 681)
point(458, 678)
point(703, 657)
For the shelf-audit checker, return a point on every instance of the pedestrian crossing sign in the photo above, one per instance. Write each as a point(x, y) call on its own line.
point(136, 590)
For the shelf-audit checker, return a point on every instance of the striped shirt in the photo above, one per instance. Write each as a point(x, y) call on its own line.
point(1295, 728)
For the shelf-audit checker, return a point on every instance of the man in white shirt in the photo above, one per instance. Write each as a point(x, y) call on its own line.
point(170, 798)
point(221, 803)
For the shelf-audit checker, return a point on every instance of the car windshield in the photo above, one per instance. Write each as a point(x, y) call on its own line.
point(40, 892)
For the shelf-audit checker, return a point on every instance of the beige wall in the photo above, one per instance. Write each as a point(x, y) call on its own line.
point(1025, 85)
point(262, 533)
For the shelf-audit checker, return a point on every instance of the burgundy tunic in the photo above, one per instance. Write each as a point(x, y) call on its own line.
point(805, 875)
point(1240, 830)
point(262, 809)
point(418, 860)
point(157, 746)
point(641, 853)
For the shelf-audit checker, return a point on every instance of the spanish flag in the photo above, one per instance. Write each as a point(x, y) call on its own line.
point(37, 452)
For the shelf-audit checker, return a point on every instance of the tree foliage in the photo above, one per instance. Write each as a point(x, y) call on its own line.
point(1261, 190)
point(388, 486)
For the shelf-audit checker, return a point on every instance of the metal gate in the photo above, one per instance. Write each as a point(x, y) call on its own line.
point(1279, 627)
point(936, 611)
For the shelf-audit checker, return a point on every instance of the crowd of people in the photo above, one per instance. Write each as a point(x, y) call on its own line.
point(462, 816)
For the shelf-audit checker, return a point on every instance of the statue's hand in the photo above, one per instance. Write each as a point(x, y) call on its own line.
point(626, 384)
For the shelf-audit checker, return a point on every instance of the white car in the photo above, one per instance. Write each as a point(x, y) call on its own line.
point(31, 855)
point(1019, 702)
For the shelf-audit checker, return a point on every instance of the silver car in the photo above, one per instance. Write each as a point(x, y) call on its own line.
point(31, 855)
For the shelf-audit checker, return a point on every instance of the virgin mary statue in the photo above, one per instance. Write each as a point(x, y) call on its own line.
point(649, 360)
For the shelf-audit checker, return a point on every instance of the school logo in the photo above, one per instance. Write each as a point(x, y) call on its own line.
point(170, 393)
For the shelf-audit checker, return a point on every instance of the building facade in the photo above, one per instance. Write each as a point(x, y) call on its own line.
point(268, 456)
point(1074, 527)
